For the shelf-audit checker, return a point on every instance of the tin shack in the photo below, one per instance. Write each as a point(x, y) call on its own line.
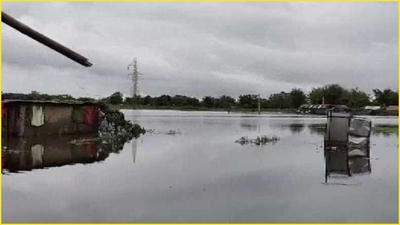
point(22, 118)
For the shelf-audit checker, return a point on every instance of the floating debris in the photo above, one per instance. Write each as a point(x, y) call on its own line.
point(173, 132)
point(263, 140)
point(170, 132)
point(151, 131)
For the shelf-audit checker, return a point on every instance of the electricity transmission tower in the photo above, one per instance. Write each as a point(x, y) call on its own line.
point(135, 79)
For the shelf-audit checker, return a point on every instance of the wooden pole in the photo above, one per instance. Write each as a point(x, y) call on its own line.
point(10, 21)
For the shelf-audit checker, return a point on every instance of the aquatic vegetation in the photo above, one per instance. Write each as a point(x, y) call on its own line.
point(137, 130)
point(114, 131)
point(259, 140)
point(113, 124)
point(151, 131)
point(386, 129)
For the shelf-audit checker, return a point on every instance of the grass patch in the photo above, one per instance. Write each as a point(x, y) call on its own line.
point(386, 129)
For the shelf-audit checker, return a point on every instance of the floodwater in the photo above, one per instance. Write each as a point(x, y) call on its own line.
point(188, 168)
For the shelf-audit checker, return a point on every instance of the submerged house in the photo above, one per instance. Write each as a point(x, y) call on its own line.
point(35, 118)
point(21, 118)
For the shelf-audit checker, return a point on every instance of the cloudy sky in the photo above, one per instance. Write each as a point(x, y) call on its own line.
point(200, 49)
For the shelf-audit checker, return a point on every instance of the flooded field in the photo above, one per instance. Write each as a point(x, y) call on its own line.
point(188, 168)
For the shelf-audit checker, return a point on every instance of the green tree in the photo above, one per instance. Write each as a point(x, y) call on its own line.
point(248, 101)
point(146, 100)
point(193, 102)
point(226, 102)
point(164, 100)
point(298, 97)
point(179, 100)
point(358, 99)
point(332, 94)
point(386, 97)
point(280, 101)
point(209, 102)
point(116, 98)
point(129, 101)
point(316, 95)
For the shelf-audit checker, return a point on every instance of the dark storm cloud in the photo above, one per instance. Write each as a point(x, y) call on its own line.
point(204, 48)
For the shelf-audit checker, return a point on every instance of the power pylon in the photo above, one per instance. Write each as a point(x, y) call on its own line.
point(135, 79)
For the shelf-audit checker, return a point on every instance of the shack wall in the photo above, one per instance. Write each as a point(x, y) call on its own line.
point(392, 113)
point(58, 120)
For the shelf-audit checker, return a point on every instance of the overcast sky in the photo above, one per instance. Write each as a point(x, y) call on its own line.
point(200, 49)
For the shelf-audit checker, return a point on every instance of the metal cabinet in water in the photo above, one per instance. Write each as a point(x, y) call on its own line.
point(337, 127)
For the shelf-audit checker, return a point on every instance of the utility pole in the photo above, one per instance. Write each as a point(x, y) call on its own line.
point(135, 79)
point(259, 104)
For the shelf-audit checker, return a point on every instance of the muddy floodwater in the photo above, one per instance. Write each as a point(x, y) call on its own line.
point(188, 168)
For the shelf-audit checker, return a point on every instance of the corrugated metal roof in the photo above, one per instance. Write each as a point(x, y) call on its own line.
point(392, 108)
point(49, 102)
point(372, 107)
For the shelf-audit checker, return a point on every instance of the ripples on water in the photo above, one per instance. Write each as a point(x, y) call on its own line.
point(188, 169)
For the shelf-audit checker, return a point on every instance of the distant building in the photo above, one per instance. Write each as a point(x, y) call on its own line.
point(372, 110)
point(322, 109)
point(392, 110)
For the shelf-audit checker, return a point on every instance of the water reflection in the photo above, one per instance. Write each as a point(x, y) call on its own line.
point(21, 154)
point(296, 127)
point(317, 128)
point(347, 163)
point(251, 125)
point(134, 149)
point(378, 129)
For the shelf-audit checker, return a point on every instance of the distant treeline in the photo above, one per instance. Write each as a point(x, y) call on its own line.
point(329, 94)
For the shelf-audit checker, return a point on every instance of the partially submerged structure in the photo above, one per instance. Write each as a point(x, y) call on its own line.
point(35, 118)
point(22, 118)
point(25, 122)
point(346, 145)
